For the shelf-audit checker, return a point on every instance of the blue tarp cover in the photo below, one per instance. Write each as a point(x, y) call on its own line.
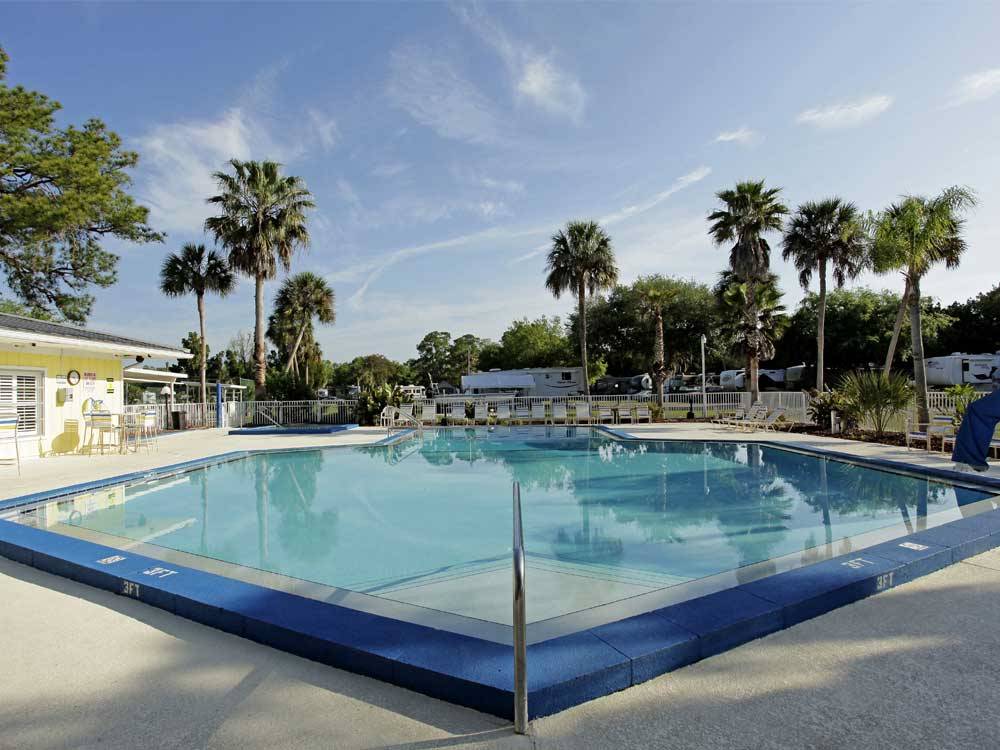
point(972, 444)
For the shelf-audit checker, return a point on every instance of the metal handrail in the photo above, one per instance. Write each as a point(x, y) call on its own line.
point(391, 414)
point(520, 624)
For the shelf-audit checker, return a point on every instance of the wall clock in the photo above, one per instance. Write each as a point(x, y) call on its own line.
point(72, 377)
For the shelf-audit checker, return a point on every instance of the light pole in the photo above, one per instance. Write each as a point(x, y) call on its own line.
point(704, 403)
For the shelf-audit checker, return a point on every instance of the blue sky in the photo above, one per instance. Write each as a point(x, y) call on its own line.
point(445, 143)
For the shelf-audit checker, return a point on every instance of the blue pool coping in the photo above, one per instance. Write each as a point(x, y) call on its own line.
point(563, 671)
point(304, 429)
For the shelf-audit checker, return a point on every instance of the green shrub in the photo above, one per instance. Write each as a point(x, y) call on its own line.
point(822, 404)
point(373, 399)
point(964, 395)
point(876, 398)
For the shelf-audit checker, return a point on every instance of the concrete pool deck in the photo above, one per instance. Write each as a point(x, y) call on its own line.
point(761, 723)
point(913, 667)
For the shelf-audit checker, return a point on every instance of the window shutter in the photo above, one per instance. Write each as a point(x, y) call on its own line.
point(22, 393)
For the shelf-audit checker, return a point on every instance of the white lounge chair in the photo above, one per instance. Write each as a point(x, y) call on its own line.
point(757, 412)
point(406, 409)
point(8, 432)
point(428, 413)
point(738, 414)
point(625, 412)
point(481, 413)
point(582, 411)
point(642, 412)
point(604, 414)
point(538, 412)
point(770, 422)
point(559, 412)
point(456, 414)
point(503, 412)
point(941, 426)
point(522, 414)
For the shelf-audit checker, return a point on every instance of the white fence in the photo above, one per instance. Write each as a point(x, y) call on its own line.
point(252, 413)
point(675, 405)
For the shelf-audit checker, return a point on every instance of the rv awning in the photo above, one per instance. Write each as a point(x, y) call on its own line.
point(497, 380)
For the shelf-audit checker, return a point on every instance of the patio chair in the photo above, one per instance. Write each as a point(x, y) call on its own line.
point(642, 412)
point(456, 414)
point(625, 412)
point(502, 413)
point(724, 418)
point(428, 413)
point(481, 413)
point(941, 426)
point(538, 411)
point(9, 422)
point(406, 410)
point(559, 412)
point(757, 413)
point(950, 440)
point(582, 411)
point(604, 414)
point(99, 424)
point(522, 414)
point(769, 422)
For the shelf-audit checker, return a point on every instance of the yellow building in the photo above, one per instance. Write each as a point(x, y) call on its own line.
point(48, 371)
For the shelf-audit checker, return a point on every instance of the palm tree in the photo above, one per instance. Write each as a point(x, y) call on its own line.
point(755, 327)
point(911, 236)
point(749, 211)
point(655, 293)
point(197, 271)
point(300, 299)
point(822, 235)
point(262, 223)
point(581, 260)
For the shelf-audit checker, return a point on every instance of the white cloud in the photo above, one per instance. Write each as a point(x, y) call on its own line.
point(433, 92)
point(845, 114)
point(534, 76)
point(179, 158)
point(389, 169)
point(325, 128)
point(551, 89)
point(976, 87)
point(628, 212)
point(740, 135)
point(506, 186)
point(374, 269)
point(679, 184)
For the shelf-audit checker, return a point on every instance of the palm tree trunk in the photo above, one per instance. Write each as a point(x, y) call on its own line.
point(259, 352)
point(821, 325)
point(900, 314)
point(203, 367)
point(295, 348)
point(661, 362)
point(582, 303)
point(919, 372)
point(753, 361)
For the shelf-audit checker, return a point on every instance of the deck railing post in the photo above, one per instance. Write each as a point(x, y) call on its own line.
point(520, 624)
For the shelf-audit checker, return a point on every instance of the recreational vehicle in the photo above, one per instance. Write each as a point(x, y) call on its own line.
point(531, 381)
point(958, 368)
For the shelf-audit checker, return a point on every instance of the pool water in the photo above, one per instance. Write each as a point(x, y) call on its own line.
point(427, 521)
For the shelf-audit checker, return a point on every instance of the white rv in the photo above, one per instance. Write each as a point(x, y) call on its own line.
point(413, 392)
point(958, 368)
point(531, 381)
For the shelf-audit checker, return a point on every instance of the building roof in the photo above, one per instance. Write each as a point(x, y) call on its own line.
point(18, 329)
point(140, 374)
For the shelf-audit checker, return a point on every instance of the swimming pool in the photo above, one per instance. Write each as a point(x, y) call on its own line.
point(419, 531)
